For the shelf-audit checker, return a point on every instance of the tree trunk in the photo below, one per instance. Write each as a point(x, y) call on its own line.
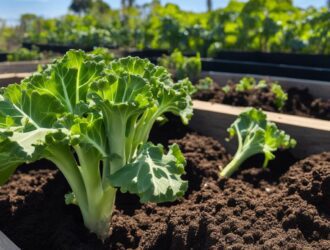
point(209, 5)
point(123, 4)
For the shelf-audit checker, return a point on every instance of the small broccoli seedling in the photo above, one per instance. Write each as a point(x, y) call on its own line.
point(280, 96)
point(206, 83)
point(104, 54)
point(226, 89)
point(245, 84)
point(255, 135)
point(249, 83)
point(182, 67)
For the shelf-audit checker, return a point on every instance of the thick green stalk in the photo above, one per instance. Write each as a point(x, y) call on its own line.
point(98, 216)
point(63, 158)
point(143, 129)
point(241, 155)
point(100, 199)
point(115, 124)
point(233, 165)
point(90, 172)
point(96, 202)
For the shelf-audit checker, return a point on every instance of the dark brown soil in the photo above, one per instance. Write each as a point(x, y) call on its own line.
point(285, 207)
point(300, 101)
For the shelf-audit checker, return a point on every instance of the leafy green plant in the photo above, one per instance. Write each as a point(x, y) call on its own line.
point(181, 66)
point(255, 135)
point(23, 54)
point(104, 54)
point(280, 96)
point(253, 25)
point(92, 120)
point(206, 83)
point(249, 83)
point(226, 89)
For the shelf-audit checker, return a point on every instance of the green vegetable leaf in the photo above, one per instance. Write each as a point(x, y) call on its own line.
point(255, 135)
point(23, 147)
point(153, 175)
point(245, 84)
point(280, 96)
point(91, 119)
point(205, 84)
point(68, 79)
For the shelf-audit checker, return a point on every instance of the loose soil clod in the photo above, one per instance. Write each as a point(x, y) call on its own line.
point(250, 210)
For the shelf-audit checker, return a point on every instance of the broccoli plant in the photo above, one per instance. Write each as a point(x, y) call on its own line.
point(206, 83)
point(255, 135)
point(104, 53)
point(92, 120)
point(249, 83)
point(23, 54)
point(181, 66)
point(280, 96)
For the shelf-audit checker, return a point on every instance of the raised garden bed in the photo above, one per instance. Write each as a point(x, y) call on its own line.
point(9, 78)
point(213, 120)
point(309, 60)
point(305, 98)
point(283, 207)
point(285, 65)
point(20, 67)
point(258, 68)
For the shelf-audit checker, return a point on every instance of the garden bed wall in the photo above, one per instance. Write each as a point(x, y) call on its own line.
point(312, 67)
point(21, 67)
point(309, 60)
point(258, 68)
point(9, 78)
point(3, 56)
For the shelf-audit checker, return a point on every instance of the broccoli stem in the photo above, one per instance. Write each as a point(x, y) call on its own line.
point(100, 198)
point(63, 158)
point(95, 200)
point(233, 165)
point(97, 217)
point(245, 150)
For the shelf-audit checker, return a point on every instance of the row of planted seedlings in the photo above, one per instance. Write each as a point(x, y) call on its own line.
point(92, 116)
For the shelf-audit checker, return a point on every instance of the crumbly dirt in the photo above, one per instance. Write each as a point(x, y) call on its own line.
point(300, 101)
point(284, 207)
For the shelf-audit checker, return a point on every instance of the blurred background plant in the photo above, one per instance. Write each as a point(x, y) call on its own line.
point(254, 25)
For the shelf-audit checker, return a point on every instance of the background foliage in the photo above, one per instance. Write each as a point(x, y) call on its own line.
point(257, 25)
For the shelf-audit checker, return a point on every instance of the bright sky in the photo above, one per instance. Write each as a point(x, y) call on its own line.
point(12, 9)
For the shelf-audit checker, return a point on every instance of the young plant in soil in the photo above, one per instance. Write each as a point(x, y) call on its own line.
point(181, 66)
point(255, 135)
point(92, 119)
point(248, 84)
point(206, 83)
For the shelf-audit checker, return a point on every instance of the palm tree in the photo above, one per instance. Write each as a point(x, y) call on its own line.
point(209, 5)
